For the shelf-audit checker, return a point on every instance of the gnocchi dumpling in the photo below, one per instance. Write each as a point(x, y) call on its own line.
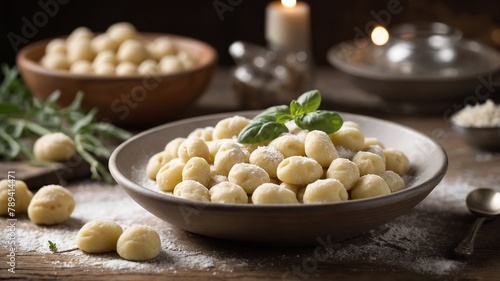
point(54, 147)
point(228, 155)
point(56, 61)
point(270, 193)
point(170, 64)
point(325, 191)
point(193, 147)
point(349, 137)
point(104, 68)
point(98, 236)
point(193, 190)
point(229, 127)
point(205, 134)
point(132, 51)
point(369, 163)
point(393, 180)
point(81, 67)
point(121, 31)
point(52, 204)
point(397, 161)
point(248, 176)
point(56, 46)
point(268, 158)
point(289, 145)
point(370, 141)
point(228, 192)
point(156, 162)
point(319, 147)
point(299, 170)
point(105, 57)
point(170, 174)
point(344, 170)
point(162, 46)
point(148, 67)
point(103, 42)
point(139, 243)
point(126, 68)
point(80, 33)
point(197, 169)
point(80, 49)
point(370, 186)
point(22, 196)
point(172, 147)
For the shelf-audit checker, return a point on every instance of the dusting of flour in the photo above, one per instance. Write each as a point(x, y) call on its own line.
point(410, 243)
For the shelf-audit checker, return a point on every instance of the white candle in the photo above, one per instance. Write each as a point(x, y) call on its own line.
point(288, 25)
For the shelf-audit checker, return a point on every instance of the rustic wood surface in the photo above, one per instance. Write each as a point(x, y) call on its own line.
point(416, 246)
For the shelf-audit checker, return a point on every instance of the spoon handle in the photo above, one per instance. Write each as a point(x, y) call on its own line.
point(466, 247)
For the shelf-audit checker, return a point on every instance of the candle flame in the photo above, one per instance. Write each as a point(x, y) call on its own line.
point(289, 3)
point(380, 36)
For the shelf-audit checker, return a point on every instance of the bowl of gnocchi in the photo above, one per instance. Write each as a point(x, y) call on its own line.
point(290, 191)
point(133, 78)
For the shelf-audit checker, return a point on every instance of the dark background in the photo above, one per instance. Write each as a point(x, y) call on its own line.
point(332, 21)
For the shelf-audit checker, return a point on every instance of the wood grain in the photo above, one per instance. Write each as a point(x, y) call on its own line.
point(38, 176)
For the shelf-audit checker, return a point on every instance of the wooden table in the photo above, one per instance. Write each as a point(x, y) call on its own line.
point(415, 246)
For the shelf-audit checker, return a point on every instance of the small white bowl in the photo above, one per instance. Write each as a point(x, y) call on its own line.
point(484, 138)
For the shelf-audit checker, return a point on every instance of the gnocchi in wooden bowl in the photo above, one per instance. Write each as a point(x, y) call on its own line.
point(290, 191)
point(144, 81)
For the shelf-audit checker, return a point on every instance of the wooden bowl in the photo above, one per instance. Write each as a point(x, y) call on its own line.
point(279, 225)
point(129, 101)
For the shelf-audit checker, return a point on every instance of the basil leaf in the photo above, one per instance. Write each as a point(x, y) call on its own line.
point(273, 111)
point(260, 131)
point(283, 118)
point(309, 101)
point(296, 108)
point(326, 121)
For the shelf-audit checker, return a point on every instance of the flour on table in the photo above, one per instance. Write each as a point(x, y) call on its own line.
point(412, 242)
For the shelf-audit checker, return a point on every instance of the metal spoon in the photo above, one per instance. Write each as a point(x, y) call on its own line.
point(484, 203)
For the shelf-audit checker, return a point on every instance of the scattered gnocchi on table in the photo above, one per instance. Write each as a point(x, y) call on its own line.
point(51, 204)
point(119, 51)
point(21, 199)
point(301, 166)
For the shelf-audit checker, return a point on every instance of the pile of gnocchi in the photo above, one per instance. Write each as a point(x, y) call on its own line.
point(118, 51)
point(300, 166)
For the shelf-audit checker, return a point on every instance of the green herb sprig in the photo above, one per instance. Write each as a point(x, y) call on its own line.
point(23, 119)
point(304, 112)
point(52, 246)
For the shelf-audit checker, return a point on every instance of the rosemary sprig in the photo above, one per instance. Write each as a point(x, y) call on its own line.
point(23, 119)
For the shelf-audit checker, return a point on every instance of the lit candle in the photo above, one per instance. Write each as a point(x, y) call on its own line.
point(380, 36)
point(288, 25)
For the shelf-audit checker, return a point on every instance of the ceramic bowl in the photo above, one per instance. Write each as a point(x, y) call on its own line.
point(278, 225)
point(484, 138)
point(426, 65)
point(130, 101)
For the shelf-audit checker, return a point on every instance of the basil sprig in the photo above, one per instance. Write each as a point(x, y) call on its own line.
point(270, 123)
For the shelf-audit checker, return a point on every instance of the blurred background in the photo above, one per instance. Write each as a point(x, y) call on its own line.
point(221, 22)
